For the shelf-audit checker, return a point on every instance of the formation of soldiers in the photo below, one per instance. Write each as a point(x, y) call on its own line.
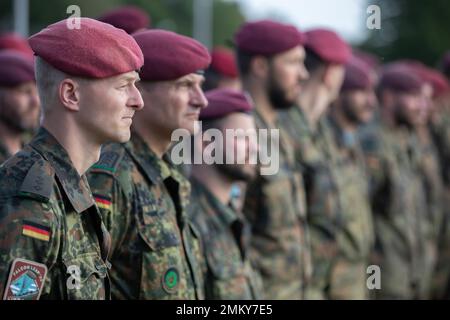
point(92, 206)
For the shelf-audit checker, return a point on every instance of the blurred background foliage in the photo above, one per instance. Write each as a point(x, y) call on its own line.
point(414, 29)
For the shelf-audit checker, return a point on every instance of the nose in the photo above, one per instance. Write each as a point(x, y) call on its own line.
point(198, 98)
point(303, 72)
point(135, 100)
point(34, 98)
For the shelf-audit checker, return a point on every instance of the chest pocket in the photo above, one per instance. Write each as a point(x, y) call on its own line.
point(156, 226)
point(85, 277)
point(279, 202)
point(224, 258)
point(229, 279)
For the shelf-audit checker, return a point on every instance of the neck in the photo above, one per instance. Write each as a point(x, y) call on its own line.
point(157, 141)
point(343, 122)
point(261, 101)
point(83, 151)
point(314, 101)
point(11, 139)
point(214, 181)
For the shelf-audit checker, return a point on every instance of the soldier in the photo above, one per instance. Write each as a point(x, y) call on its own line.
point(19, 101)
point(223, 72)
point(403, 234)
point(354, 106)
point(129, 18)
point(315, 154)
point(13, 41)
point(53, 243)
point(225, 232)
point(270, 58)
point(142, 196)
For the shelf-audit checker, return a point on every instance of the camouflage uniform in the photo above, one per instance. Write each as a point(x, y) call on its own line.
point(4, 153)
point(39, 187)
point(404, 243)
point(355, 237)
point(441, 137)
point(323, 210)
point(225, 238)
point(143, 199)
point(275, 208)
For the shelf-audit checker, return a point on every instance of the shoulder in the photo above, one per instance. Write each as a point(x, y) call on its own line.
point(113, 167)
point(27, 175)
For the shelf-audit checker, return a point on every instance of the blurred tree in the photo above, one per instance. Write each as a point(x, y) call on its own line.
point(175, 15)
point(411, 29)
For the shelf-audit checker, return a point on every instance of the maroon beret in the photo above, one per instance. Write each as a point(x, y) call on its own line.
point(95, 50)
point(328, 46)
point(224, 62)
point(15, 42)
point(357, 75)
point(15, 68)
point(222, 102)
point(439, 83)
point(169, 56)
point(370, 59)
point(128, 18)
point(433, 77)
point(400, 77)
point(267, 38)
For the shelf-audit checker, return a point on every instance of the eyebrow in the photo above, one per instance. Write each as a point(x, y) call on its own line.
point(130, 78)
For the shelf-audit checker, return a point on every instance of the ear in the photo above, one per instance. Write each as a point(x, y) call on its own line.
point(327, 76)
point(259, 66)
point(69, 94)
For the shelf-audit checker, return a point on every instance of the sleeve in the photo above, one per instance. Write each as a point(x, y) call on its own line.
point(29, 230)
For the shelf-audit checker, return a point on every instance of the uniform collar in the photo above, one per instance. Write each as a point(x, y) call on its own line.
point(344, 139)
point(75, 187)
point(224, 213)
point(156, 169)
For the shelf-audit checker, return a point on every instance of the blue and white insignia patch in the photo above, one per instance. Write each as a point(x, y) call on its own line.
point(26, 280)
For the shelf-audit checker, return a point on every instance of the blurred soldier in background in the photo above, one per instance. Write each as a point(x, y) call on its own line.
point(309, 132)
point(270, 59)
point(355, 239)
point(19, 101)
point(404, 236)
point(223, 71)
point(225, 232)
point(129, 18)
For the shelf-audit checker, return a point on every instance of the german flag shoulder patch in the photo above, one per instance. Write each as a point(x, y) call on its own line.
point(36, 230)
point(102, 201)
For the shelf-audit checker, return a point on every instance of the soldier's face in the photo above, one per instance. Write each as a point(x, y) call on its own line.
point(286, 73)
point(427, 104)
point(172, 105)
point(19, 107)
point(408, 108)
point(359, 105)
point(108, 106)
point(240, 145)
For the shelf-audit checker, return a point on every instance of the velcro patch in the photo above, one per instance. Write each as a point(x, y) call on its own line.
point(25, 281)
point(35, 230)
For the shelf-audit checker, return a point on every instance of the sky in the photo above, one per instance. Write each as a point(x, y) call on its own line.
point(347, 17)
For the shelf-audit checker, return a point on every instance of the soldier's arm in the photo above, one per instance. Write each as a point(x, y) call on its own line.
point(29, 236)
